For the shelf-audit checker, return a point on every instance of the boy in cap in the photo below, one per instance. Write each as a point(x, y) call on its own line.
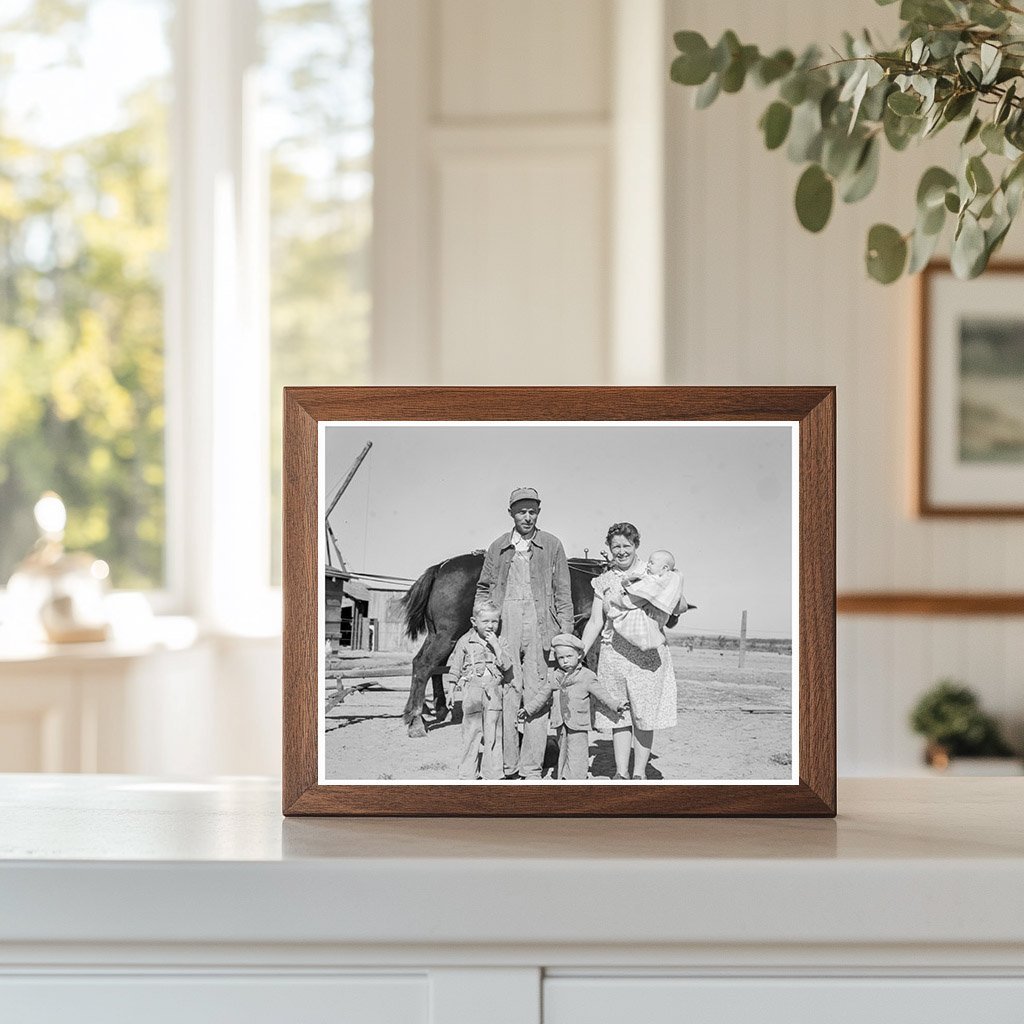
point(571, 685)
point(526, 575)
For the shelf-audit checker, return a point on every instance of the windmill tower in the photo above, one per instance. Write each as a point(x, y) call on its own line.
point(331, 539)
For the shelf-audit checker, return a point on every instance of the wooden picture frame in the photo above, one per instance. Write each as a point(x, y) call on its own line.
point(954, 475)
point(810, 414)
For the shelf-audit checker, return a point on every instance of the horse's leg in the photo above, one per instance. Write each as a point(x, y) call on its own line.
point(429, 661)
point(440, 701)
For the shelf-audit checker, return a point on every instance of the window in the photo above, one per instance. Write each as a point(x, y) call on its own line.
point(83, 237)
point(185, 221)
point(317, 117)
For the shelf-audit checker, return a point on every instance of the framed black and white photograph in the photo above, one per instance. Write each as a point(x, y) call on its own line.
point(970, 453)
point(523, 602)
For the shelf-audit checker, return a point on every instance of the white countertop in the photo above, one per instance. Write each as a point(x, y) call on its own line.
point(122, 859)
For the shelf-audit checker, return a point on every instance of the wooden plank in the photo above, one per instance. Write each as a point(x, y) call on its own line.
point(379, 672)
point(928, 603)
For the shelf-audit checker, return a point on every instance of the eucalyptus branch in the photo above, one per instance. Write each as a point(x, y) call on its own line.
point(833, 118)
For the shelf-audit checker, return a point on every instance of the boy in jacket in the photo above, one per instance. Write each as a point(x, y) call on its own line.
point(568, 692)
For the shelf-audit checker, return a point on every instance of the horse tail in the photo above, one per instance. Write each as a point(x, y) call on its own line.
point(415, 603)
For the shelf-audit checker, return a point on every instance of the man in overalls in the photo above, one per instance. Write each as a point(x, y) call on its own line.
point(526, 575)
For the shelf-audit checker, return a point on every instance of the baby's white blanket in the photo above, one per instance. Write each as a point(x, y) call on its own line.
point(639, 616)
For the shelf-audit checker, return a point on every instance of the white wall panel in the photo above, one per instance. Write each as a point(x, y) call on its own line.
point(530, 58)
point(754, 299)
point(493, 204)
point(520, 268)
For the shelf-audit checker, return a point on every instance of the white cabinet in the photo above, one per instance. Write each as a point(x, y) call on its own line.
point(828, 1000)
point(98, 707)
point(202, 999)
point(131, 898)
point(174, 705)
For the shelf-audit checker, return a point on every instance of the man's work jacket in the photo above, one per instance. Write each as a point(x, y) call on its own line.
point(549, 581)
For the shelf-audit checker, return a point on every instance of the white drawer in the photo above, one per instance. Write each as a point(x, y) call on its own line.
point(205, 999)
point(671, 1000)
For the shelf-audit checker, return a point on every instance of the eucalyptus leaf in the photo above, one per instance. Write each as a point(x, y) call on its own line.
point(973, 130)
point(922, 248)
point(931, 190)
point(688, 42)
point(930, 12)
point(724, 51)
point(944, 44)
point(966, 188)
point(854, 92)
point(873, 106)
point(1005, 104)
point(932, 221)
point(886, 253)
point(978, 176)
point(991, 60)
point(987, 15)
point(933, 122)
point(995, 233)
point(1013, 187)
point(840, 152)
point(814, 194)
point(993, 138)
point(794, 88)
point(904, 103)
point(707, 93)
point(775, 122)
point(692, 68)
point(900, 130)
point(952, 202)
point(1014, 191)
point(771, 69)
point(958, 105)
point(735, 74)
point(925, 88)
point(968, 247)
point(805, 133)
point(865, 173)
point(827, 106)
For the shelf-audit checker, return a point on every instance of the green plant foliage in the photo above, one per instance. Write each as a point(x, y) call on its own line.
point(775, 124)
point(955, 60)
point(887, 253)
point(814, 198)
point(950, 716)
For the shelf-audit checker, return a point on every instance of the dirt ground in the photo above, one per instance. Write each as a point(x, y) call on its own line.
point(733, 724)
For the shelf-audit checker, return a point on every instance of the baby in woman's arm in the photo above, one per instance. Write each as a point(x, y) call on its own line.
point(652, 593)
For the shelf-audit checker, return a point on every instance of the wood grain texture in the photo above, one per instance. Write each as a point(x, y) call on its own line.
point(817, 560)
point(812, 407)
point(923, 503)
point(299, 597)
point(925, 603)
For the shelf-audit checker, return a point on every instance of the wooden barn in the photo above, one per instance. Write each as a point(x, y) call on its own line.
point(364, 612)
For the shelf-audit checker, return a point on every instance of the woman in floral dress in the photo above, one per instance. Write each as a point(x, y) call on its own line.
point(646, 678)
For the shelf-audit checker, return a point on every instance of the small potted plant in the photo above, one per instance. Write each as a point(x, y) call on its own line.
point(950, 717)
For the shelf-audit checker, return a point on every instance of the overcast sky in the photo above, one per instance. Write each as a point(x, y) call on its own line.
point(718, 496)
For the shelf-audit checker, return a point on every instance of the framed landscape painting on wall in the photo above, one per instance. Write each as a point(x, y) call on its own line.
point(559, 601)
point(970, 450)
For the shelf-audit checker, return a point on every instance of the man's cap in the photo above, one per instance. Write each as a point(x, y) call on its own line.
point(524, 494)
point(567, 640)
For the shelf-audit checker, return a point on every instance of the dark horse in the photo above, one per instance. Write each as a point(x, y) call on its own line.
point(440, 603)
